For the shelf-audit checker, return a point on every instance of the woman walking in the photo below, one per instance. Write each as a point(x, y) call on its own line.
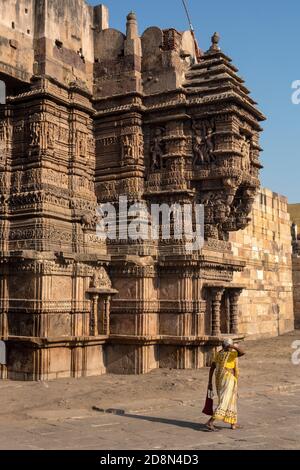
point(225, 365)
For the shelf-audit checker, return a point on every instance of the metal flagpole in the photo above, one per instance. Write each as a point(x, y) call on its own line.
point(188, 15)
point(198, 52)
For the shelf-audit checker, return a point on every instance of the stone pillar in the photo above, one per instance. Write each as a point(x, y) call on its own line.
point(234, 295)
point(100, 310)
point(133, 45)
point(106, 316)
point(132, 26)
point(94, 316)
point(217, 293)
point(133, 55)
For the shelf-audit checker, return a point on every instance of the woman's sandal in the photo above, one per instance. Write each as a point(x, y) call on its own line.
point(211, 428)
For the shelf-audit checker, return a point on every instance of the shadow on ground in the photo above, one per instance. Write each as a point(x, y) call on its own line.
point(171, 422)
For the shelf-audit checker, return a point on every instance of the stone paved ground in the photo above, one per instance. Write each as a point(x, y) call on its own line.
point(162, 409)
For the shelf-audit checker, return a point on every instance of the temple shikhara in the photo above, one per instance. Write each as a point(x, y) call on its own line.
point(92, 114)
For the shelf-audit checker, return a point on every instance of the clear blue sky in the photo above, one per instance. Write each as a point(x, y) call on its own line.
point(262, 38)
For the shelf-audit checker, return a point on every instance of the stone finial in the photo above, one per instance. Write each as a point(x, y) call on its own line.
point(131, 16)
point(215, 42)
point(133, 45)
point(132, 26)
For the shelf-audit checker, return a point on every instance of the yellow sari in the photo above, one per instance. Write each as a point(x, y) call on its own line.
point(226, 382)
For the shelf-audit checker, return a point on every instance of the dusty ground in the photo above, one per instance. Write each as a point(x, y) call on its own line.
point(162, 409)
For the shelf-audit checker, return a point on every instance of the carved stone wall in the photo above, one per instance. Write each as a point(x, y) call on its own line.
point(49, 252)
point(99, 114)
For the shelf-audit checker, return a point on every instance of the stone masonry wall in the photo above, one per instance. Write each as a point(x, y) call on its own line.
point(296, 282)
point(50, 37)
point(266, 305)
point(294, 210)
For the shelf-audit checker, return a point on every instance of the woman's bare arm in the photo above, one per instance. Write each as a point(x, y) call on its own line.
point(239, 350)
point(211, 374)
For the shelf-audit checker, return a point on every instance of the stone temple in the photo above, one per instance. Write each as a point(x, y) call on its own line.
point(93, 114)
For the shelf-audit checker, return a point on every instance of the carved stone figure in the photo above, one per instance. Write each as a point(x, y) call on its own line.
point(34, 134)
point(245, 150)
point(132, 146)
point(157, 150)
point(100, 279)
point(203, 146)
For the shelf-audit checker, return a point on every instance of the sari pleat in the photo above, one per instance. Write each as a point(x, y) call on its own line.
point(226, 384)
